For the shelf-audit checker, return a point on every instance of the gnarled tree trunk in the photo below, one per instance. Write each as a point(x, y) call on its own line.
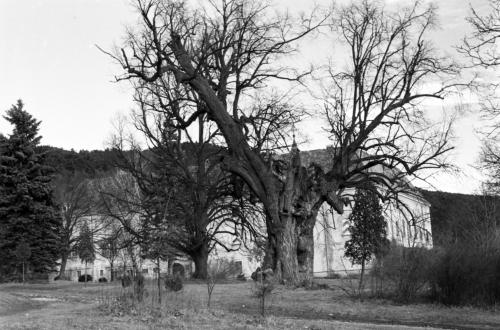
point(200, 258)
point(290, 250)
point(305, 250)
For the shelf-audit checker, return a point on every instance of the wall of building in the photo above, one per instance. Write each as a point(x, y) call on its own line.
point(407, 227)
point(102, 268)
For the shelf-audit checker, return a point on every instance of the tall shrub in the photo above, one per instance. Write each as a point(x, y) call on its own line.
point(469, 274)
point(367, 227)
point(469, 269)
point(408, 270)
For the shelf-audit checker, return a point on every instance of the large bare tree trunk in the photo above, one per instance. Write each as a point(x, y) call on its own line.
point(64, 261)
point(291, 223)
point(200, 258)
point(287, 262)
point(290, 250)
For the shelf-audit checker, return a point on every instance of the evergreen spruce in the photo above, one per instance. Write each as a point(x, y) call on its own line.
point(86, 250)
point(367, 227)
point(27, 211)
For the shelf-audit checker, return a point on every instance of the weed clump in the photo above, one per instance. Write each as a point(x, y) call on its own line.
point(174, 283)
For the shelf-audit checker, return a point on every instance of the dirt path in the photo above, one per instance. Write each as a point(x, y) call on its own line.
point(11, 304)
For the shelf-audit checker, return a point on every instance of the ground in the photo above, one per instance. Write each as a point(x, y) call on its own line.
point(67, 305)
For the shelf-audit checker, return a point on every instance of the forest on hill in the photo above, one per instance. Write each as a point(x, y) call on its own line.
point(454, 216)
point(91, 163)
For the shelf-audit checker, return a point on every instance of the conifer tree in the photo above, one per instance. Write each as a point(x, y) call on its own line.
point(86, 250)
point(27, 210)
point(367, 228)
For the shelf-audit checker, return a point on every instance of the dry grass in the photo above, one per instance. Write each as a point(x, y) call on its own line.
point(97, 307)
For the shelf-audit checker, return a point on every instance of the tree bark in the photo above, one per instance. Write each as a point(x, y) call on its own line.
point(360, 289)
point(64, 261)
point(281, 253)
point(200, 258)
point(290, 250)
point(112, 269)
point(305, 250)
point(287, 263)
point(158, 280)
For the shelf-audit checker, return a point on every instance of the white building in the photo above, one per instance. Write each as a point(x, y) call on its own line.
point(409, 229)
point(122, 264)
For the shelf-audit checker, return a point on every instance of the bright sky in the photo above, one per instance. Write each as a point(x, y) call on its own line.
point(50, 61)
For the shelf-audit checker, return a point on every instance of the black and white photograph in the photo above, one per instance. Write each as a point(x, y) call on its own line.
point(249, 164)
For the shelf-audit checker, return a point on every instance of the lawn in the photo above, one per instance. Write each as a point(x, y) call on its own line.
point(66, 305)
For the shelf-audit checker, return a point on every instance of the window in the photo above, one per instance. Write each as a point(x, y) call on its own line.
point(101, 273)
point(79, 273)
point(155, 270)
point(144, 270)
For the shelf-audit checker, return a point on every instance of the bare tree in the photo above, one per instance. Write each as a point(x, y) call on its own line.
point(481, 48)
point(110, 246)
point(75, 202)
point(481, 45)
point(177, 193)
point(377, 121)
point(227, 53)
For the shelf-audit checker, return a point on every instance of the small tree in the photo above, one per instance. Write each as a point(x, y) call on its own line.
point(86, 251)
point(218, 269)
point(23, 252)
point(367, 228)
point(263, 287)
point(109, 248)
point(73, 196)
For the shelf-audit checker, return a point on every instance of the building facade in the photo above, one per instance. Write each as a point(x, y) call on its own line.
point(409, 226)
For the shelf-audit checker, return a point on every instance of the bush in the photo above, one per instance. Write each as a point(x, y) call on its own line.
point(408, 271)
point(241, 277)
point(468, 274)
point(174, 283)
point(82, 278)
point(103, 280)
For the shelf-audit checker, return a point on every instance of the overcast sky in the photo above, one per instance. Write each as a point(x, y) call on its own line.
point(48, 59)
